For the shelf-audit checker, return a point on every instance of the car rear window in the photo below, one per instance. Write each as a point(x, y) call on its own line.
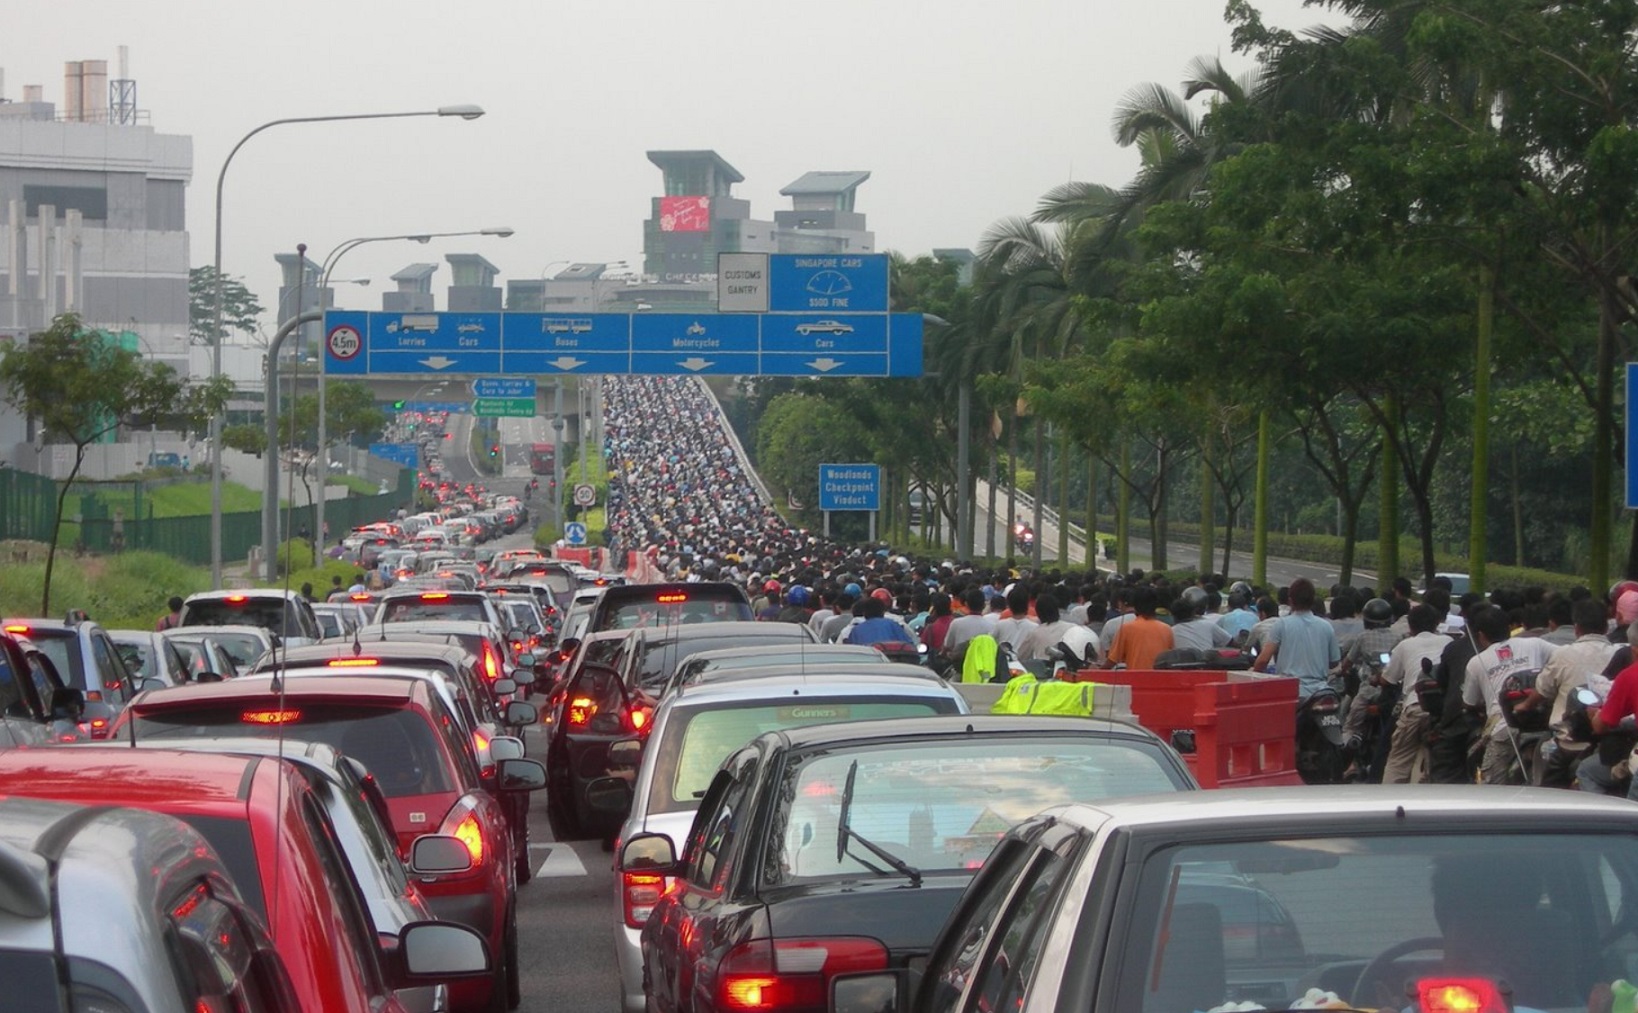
point(398, 746)
point(942, 804)
point(243, 648)
point(697, 739)
point(627, 608)
point(268, 613)
point(232, 841)
point(61, 647)
point(405, 610)
point(661, 657)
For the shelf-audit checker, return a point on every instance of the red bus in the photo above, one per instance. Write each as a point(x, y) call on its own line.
point(541, 458)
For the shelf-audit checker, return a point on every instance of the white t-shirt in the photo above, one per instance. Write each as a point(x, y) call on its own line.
point(1490, 668)
point(1404, 666)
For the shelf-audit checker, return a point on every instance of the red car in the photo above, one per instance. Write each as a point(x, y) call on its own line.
point(402, 731)
point(258, 815)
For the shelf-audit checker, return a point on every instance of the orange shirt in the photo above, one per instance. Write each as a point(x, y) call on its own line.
point(1139, 641)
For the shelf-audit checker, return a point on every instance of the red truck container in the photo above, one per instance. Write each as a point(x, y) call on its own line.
point(1244, 725)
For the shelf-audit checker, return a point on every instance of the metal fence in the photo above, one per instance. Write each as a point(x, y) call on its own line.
point(92, 521)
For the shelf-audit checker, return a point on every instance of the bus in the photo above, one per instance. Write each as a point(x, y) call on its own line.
point(542, 458)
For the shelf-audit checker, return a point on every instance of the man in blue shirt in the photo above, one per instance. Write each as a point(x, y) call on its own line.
point(875, 628)
point(1241, 615)
point(1304, 643)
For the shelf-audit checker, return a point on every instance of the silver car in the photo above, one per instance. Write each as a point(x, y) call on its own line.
point(698, 727)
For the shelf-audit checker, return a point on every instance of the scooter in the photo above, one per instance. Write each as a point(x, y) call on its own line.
point(1023, 537)
point(1319, 738)
point(1527, 731)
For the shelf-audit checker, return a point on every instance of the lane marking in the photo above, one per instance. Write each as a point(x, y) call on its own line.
point(561, 862)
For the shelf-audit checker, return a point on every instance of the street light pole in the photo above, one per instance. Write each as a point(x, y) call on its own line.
point(330, 262)
point(465, 112)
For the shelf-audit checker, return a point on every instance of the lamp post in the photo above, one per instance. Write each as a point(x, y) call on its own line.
point(465, 112)
point(330, 262)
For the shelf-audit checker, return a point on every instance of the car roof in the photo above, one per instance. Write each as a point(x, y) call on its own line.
point(819, 736)
point(391, 650)
point(105, 774)
point(680, 632)
point(453, 626)
point(820, 651)
point(712, 694)
point(51, 625)
point(248, 592)
point(893, 671)
point(385, 690)
point(1360, 802)
point(260, 632)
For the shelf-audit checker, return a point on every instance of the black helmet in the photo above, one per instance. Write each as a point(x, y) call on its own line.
point(1378, 613)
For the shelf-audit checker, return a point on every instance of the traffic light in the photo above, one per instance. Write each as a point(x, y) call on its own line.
point(398, 405)
point(494, 450)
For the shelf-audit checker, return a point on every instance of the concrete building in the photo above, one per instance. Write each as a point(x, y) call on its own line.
point(414, 294)
point(92, 214)
point(698, 217)
point(579, 287)
point(472, 288)
point(822, 219)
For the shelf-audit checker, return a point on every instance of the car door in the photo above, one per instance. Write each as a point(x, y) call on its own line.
point(684, 934)
point(593, 716)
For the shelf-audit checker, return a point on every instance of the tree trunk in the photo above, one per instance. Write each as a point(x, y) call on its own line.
point(1063, 500)
point(1231, 515)
point(1598, 567)
point(57, 529)
point(1387, 535)
point(1478, 507)
point(1350, 533)
point(1259, 533)
point(1208, 507)
point(1038, 547)
point(1157, 519)
point(1094, 549)
point(1123, 512)
point(989, 532)
point(1012, 483)
point(1518, 511)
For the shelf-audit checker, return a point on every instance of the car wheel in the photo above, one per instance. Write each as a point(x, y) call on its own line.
point(514, 975)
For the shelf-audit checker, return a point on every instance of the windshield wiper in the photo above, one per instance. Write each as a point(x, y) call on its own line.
point(845, 832)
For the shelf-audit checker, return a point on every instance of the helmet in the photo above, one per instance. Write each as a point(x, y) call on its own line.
point(883, 595)
point(1241, 587)
point(797, 595)
point(854, 590)
point(1378, 612)
point(1197, 597)
point(771, 587)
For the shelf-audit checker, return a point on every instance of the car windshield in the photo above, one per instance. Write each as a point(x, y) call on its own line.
point(1371, 921)
point(942, 804)
point(398, 746)
point(139, 657)
point(405, 610)
point(696, 740)
point(699, 603)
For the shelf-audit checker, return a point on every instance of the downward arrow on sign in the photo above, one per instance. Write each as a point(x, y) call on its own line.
point(825, 365)
point(695, 364)
point(438, 362)
point(566, 363)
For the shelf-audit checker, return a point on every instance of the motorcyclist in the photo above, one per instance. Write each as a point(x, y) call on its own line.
point(1304, 644)
point(1241, 615)
point(1192, 627)
point(1361, 669)
point(1410, 727)
point(1500, 655)
point(1569, 670)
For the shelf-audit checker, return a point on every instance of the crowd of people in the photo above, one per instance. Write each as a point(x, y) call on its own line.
point(681, 492)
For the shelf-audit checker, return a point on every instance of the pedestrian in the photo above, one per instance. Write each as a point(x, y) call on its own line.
point(172, 619)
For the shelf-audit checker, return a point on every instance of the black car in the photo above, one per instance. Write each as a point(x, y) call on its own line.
point(630, 606)
point(841, 848)
point(35, 706)
point(617, 701)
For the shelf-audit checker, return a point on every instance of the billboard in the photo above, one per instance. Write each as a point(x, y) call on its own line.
point(685, 214)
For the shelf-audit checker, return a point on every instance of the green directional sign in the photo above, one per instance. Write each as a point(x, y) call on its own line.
point(503, 407)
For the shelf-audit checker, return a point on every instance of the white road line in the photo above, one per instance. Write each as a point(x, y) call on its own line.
point(561, 862)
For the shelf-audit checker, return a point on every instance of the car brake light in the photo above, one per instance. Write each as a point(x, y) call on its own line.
point(672, 599)
point(581, 710)
point(359, 597)
point(16, 628)
point(93, 695)
point(353, 662)
point(237, 599)
point(98, 723)
point(793, 975)
point(434, 596)
point(1460, 995)
point(639, 718)
point(640, 891)
point(480, 740)
point(491, 663)
point(281, 717)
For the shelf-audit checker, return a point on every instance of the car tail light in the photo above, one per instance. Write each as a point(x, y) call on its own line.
point(1460, 995)
point(491, 662)
point(353, 662)
point(581, 710)
point(272, 717)
point(640, 891)
point(640, 716)
point(237, 599)
point(463, 822)
point(17, 628)
point(672, 599)
point(793, 975)
point(359, 597)
point(434, 596)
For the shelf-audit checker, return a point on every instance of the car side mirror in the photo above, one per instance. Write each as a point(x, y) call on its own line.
point(625, 754)
point(519, 713)
point(505, 747)
point(504, 687)
point(439, 855)
point(609, 795)
point(875, 992)
point(151, 683)
point(524, 675)
point(442, 950)
point(648, 853)
point(520, 775)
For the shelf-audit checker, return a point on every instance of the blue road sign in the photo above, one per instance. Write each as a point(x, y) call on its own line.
point(574, 533)
point(509, 349)
point(406, 454)
point(1632, 436)
point(452, 407)
point(850, 487)
point(504, 386)
point(827, 283)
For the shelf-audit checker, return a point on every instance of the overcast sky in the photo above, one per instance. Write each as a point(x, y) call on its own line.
point(963, 112)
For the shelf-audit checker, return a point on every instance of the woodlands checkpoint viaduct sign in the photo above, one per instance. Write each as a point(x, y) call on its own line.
point(778, 315)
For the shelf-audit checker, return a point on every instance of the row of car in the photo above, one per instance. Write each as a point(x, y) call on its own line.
point(805, 827)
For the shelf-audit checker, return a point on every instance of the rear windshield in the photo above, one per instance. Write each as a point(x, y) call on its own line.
point(243, 648)
point(661, 657)
point(405, 610)
point(697, 739)
point(268, 613)
point(398, 746)
point(61, 647)
point(620, 609)
point(557, 580)
point(232, 841)
point(943, 804)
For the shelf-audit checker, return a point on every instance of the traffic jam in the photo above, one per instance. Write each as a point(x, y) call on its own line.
point(802, 798)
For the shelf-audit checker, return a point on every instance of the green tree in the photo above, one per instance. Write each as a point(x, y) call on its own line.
point(78, 387)
point(241, 311)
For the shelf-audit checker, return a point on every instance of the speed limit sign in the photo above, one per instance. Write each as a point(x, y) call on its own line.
point(585, 495)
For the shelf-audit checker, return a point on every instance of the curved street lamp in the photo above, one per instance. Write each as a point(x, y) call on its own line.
point(464, 112)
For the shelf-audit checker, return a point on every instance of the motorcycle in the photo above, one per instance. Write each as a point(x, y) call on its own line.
point(1379, 703)
point(1614, 747)
point(1319, 738)
point(1527, 731)
point(1023, 537)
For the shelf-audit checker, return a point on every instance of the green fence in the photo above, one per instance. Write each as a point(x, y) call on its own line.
point(27, 503)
